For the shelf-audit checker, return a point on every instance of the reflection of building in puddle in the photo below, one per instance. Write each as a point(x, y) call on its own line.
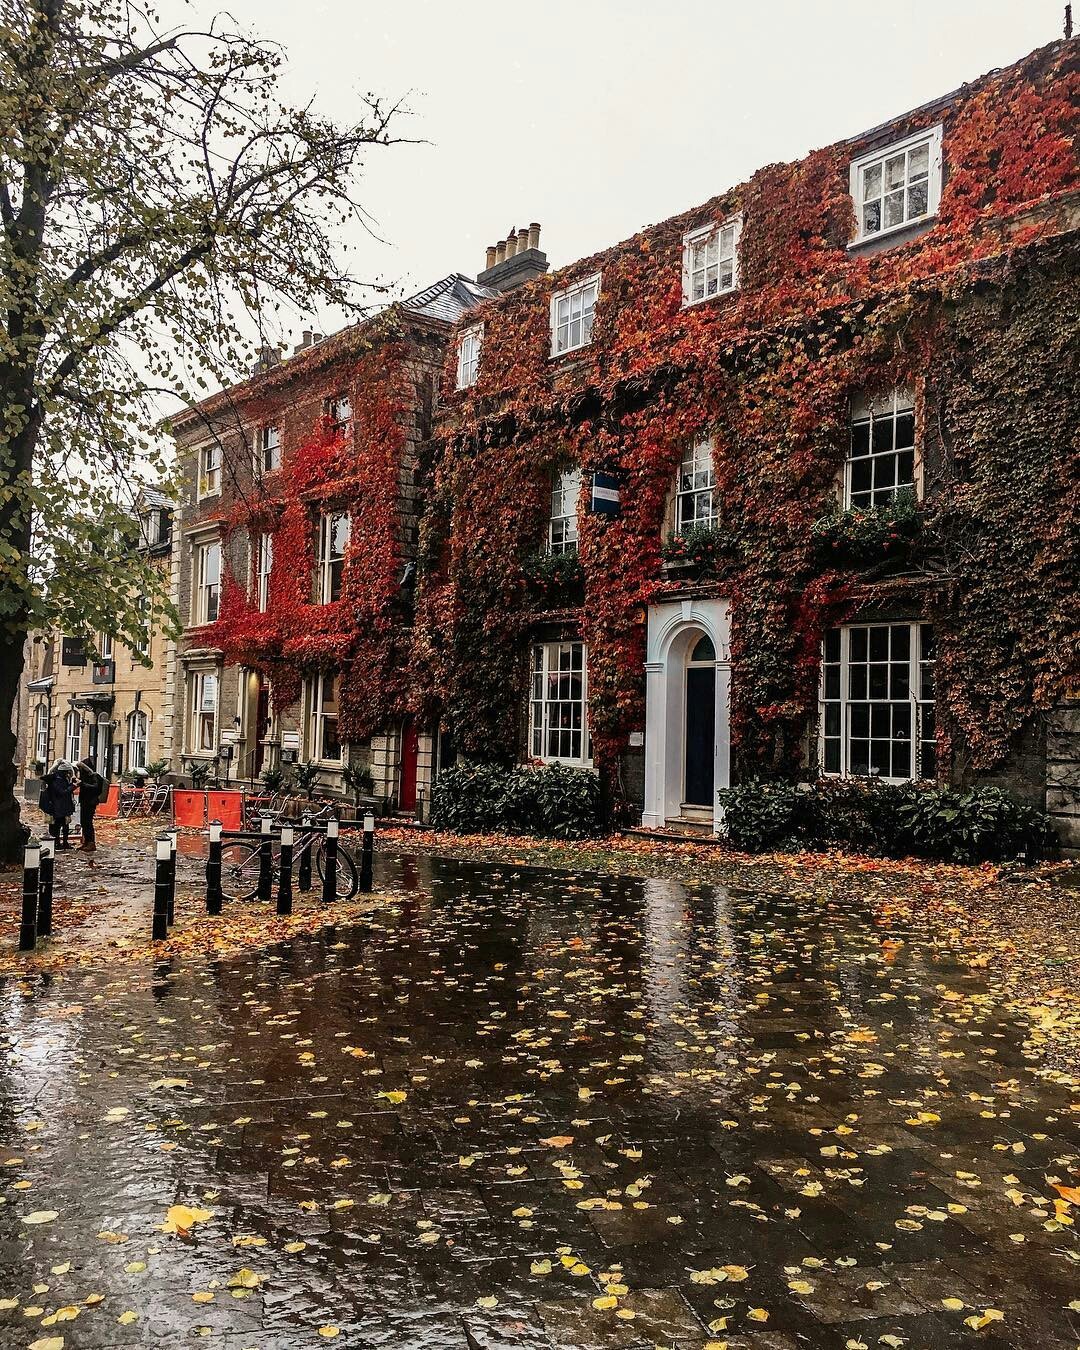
point(692, 986)
point(666, 932)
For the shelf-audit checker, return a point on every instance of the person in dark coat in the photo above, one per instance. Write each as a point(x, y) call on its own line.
point(58, 800)
point(91, 786)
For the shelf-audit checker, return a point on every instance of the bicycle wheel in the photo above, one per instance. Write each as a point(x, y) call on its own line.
point(347, 880)
point(240, 871)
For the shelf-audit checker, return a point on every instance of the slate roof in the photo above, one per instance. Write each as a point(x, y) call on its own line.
point(153, 499)
point(447, 298)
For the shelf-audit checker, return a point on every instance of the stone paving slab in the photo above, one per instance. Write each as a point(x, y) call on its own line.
point(515, 1109)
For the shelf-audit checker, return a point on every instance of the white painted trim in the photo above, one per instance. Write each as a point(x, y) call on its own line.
point(931, 135)
point(567, 291)
point(702, 232)
point(670, 628)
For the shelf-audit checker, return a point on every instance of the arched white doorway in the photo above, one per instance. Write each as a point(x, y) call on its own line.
point(687, 742)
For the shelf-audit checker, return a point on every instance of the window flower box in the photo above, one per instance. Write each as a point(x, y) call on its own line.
point(699, 549)
point(864, 536)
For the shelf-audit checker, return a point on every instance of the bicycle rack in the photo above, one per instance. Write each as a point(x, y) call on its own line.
point(295, 846)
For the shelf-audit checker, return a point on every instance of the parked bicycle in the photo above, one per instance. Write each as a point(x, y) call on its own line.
point(240, 862)
point(148, 800)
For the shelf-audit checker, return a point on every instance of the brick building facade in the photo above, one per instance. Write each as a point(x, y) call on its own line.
point(780, 486)
point(301, 504)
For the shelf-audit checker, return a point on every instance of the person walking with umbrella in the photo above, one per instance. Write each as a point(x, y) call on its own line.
point(91, 786)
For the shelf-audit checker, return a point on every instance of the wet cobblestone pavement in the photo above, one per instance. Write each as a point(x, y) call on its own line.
point(526, 1109)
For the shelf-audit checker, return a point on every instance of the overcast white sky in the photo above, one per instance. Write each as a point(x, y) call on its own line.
point(597, 117)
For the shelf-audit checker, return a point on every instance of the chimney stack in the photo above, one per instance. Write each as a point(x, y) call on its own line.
point(308, 339)
point(514, 260)
point(266, 358)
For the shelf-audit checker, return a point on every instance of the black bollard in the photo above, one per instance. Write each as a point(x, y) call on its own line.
point(213, 870)
point(171, 836)
point(284, 895)
point(31, 871)
point(307, 844)
point(266, 859)
point(161, 889)
point(367, 853)
point(45, 888)
point(329, 882)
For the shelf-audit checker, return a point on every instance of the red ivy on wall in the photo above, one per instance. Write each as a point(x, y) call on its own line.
point(357, 470)
point(768, 372)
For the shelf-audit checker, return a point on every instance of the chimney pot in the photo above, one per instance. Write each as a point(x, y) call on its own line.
point(534, 234)
point(522, 239)
point(490, 256)
point(500, 251)
point(511, 244)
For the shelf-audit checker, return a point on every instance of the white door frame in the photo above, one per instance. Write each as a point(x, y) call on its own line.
point(674, 629)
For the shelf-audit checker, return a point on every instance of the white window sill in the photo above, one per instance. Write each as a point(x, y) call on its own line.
point(567, 763)
point(706, 299)
point(908, 227)
point(569, 351)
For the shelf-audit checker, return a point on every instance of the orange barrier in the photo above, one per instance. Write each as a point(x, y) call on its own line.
point(189, 809)
point(110, 807)
point(228, 807)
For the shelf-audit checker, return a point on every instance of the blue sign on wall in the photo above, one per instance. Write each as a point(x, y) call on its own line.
point(604, 497)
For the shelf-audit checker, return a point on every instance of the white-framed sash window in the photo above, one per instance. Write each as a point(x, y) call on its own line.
point(138, 739)
point(41, 734)
point(881, 457)
point(898, 186)
point(562, 522)
point(203, 705)
point(340, 411)
point(73, 736)
point(323, 743)
point(262, 562)
point(572, 314)
point(711, 260)
point(103, 644)
point(877, 702)
point(558, 710)
point(695, 498)
point(209, 471)
point(140, 645)
point(207, 581)
point(468, 355)
point(335, 529)
point(268, 449)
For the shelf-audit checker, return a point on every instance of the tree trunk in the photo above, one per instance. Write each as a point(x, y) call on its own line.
point(16, 458)
point(11, 669)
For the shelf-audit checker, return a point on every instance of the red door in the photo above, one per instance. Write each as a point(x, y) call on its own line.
point(407, 796)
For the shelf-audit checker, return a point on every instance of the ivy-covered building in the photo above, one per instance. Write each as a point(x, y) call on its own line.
point(296, 558)
point(837, 405)
point(783, 486)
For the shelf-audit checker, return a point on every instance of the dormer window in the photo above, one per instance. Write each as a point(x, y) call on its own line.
point(897, 187)
point(711, 260)
point(562, 525)
point(572, 313)
point(268, 451)
point(468, 356)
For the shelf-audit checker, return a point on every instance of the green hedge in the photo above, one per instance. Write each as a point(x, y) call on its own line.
point(893, 819)
point(553, 801)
